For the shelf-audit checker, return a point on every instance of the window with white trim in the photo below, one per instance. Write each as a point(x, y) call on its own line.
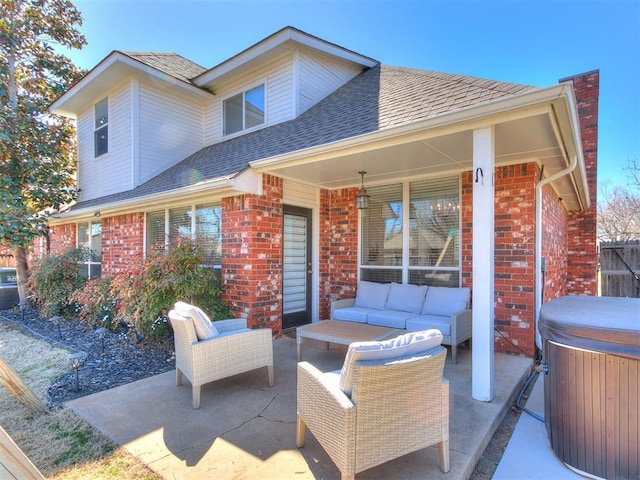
point(199, 223)
point(419, 244)
point(244, 110)
point(90, 237)
point(101, 127)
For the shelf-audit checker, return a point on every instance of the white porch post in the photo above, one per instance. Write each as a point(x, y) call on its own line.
point(482, 352)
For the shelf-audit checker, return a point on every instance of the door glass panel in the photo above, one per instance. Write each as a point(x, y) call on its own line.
point(295, 264)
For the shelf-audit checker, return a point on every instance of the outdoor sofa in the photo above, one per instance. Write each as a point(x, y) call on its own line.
point(410, 307)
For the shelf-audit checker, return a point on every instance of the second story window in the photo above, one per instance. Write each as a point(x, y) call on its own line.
point(244, 110)
point(101, 127)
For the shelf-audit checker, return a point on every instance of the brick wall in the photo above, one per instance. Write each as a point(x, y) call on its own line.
point(554, 244)
point(581, 233)
point(338, 247)
point(252, 255)
point(122, 240)
point(62, 237)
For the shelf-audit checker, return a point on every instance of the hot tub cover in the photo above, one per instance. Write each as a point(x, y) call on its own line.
point(603, 324)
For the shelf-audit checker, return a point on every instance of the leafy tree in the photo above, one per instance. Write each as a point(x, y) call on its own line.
point(36, 148)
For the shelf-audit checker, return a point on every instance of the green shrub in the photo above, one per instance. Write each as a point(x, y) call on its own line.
point(148, 291)
point(54, 278)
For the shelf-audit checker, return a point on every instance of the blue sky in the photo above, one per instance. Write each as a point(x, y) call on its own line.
point(529, 42)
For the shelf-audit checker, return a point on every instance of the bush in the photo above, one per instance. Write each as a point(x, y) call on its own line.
point(97, 304)
point(54, 279)
point(146, 294)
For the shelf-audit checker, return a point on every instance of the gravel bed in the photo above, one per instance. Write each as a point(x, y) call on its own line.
point(122, 360)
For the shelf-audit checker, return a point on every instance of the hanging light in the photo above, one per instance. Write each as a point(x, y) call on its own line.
point(362, 197)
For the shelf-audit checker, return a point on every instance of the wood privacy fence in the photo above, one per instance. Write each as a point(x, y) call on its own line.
point(619, 274)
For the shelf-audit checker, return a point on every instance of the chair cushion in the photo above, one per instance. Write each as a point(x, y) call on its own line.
point(406, 298)
point(372, 295)
point(203, 326)
point(407, 344)
point(445, 300)
point(425, 322)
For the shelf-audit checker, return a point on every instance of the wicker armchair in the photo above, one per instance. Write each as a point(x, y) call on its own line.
point(397, 406)
point(235, 350)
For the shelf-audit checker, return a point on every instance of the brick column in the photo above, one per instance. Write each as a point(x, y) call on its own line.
point(582, 247)
point(252, 255)
point(338, 247)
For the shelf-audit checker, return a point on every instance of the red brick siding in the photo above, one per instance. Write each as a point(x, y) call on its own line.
point(122, 240)
point(252, 255)
point(582, 262)
point(338, 247)
point(554, 244)
point(62, 237)
point(515, 258)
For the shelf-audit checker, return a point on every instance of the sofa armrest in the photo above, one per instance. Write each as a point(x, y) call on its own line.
point(461, 325)
point(342, 303)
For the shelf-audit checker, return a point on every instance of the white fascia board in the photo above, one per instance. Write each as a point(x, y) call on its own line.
point(138, 204)
point(63, 105)
point(274, 41)
point(247, 181)
point(478, 116)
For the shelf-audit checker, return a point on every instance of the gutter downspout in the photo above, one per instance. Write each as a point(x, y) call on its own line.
point(538, 255)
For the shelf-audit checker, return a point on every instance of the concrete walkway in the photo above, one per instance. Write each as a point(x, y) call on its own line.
point(246, 430)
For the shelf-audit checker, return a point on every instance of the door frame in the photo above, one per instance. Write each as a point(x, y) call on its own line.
point(309, 314)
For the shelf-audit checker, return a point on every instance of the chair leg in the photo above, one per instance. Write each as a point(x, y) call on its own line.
point(195, 390)
point(300, 429)
point(270, 374)
point(178, 377)
point(443, 455)
point(454, 354)
point(344, 476)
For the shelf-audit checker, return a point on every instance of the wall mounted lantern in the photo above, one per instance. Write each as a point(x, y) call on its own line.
point(362, 197)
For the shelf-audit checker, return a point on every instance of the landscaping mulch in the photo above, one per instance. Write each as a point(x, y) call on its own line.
point(116, 359)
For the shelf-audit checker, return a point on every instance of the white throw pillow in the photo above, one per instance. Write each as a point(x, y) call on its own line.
point(371, 295)
point(205, 329)
point(412, 343)
point(406, 298)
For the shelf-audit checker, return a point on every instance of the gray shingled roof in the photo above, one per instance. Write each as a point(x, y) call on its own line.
point(170, 63)
point(378, 98)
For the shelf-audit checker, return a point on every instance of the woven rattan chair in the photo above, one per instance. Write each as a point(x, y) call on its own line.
point(235, 350)
point(397, 406)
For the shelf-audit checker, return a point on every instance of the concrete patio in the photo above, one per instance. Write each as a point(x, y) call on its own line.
point(244, 429)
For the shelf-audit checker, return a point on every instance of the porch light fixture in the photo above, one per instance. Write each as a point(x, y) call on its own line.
point(362, 197)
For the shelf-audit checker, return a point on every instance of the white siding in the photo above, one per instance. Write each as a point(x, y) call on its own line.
point(109, 173)
point(280, 104)
point(300, 194)
point(321, 75)
point(171, 129)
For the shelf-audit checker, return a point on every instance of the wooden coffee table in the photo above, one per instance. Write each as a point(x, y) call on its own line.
point(342, 333)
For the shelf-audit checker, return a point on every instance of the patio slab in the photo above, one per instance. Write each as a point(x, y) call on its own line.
point(245, 429)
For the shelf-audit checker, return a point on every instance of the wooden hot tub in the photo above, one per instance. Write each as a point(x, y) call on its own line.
point(591, 346)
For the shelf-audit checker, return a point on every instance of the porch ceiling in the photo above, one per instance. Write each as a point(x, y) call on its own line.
point(529, 139)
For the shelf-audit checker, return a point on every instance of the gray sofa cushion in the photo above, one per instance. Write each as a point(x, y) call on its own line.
point(353, 314)
point(389, 318)
point(372, 295)
point(424, 322)
point(445, 301)
point(406, 298)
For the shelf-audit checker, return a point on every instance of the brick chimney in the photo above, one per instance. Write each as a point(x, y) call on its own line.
point(581, 242)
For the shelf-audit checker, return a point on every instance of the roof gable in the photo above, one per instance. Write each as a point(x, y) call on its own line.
point(170, 63)
point(379, 98)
